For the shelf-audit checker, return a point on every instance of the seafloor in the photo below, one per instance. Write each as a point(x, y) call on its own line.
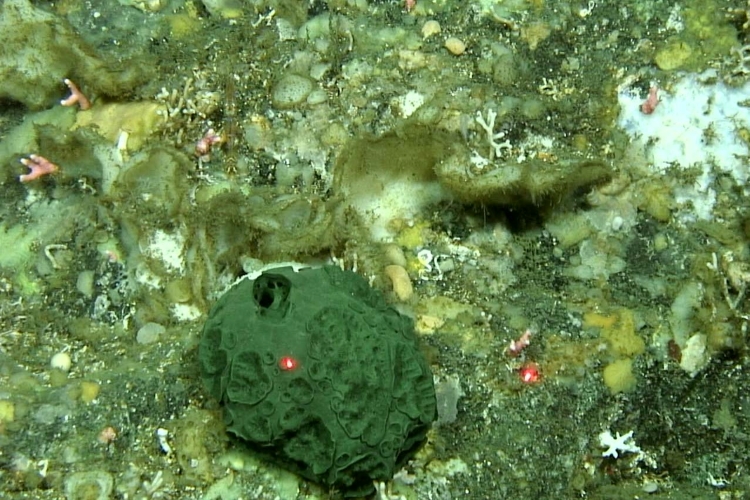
point(574, 169)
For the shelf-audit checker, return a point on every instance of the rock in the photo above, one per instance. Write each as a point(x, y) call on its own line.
point(430, 28)
point(150, 333)
point(291, 90)
point(93, 485)
point(455, 46)
point(532, 182)
point(61, 361)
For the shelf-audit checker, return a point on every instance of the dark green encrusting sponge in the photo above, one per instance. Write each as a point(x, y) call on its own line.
point(318, 374)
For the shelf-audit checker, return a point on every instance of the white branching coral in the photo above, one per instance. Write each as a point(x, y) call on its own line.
point(496, 148)
point(616, 445)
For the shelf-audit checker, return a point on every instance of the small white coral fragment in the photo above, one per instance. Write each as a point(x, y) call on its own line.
point(617, 445)
point(694, 356)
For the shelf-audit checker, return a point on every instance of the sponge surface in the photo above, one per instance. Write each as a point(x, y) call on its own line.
point(315, 372)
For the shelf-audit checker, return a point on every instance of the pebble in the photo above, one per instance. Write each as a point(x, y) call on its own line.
point(430, 28)
point(149, 333)
point(91, 484)
point(455, 46)
point(61, 361)
point(290, 91)
point(85, 283)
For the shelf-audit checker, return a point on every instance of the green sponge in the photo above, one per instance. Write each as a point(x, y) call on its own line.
point(318, 374)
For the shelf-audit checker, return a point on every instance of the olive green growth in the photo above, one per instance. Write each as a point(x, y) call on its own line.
point(318, 374)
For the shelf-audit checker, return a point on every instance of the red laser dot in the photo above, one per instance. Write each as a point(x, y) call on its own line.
point(530, 373)
point(287, 363)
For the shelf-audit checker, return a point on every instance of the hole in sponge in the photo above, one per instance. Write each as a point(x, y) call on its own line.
point(271, 294)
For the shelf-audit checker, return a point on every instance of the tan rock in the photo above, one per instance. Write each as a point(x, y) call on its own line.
point(455, 46)
point(430, 28)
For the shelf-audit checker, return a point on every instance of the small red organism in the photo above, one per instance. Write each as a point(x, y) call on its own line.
point(76, 96)
point(530, 373)
point(649, 105)
point(107, 436)
point(517, 346)
point(38, 166)
point(206, 143)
